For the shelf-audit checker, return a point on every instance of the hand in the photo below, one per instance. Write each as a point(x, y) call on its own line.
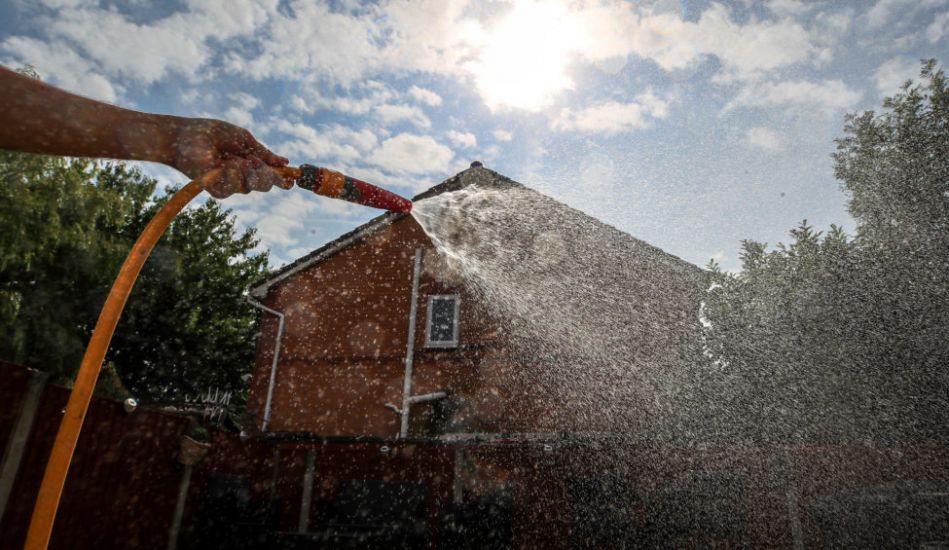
point(205, 144)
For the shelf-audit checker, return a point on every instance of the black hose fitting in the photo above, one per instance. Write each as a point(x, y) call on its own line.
point(309, 177)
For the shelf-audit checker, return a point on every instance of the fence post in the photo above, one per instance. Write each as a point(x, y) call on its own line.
point(175, 529)
point(20, 436)
point(307, 497)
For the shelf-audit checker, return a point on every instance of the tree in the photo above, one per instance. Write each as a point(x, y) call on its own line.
point(840, 338)
point(66, 226)
point(62, 237)
point(895, 167)
point(188, 327)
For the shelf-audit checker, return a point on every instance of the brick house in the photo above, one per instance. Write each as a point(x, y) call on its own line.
point(347, 315)
point(329, 466)
point(481, 453)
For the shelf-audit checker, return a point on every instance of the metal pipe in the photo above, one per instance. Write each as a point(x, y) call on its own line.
point(410, 346)
point(273, 365)
point(425, 398)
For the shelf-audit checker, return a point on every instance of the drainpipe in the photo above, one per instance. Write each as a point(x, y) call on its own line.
point(410, 346)
point(273, 366)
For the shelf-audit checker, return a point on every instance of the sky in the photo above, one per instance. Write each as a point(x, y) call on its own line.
point(691, 125)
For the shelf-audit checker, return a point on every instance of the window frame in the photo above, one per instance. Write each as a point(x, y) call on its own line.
point(429, 344)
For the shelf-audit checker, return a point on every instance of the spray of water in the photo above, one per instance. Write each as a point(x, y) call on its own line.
point(598, 324)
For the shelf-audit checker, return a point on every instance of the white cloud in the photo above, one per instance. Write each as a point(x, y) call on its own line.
point(502, 135)
point(886, 12)
point(390, 114)
point(938, 28)
point(356, 99)
point(613, 117)
point(792, 8)
point(313, 40)
point(833, 22)
point(237, 115)
point(364, 139)
point(828, 30)
point(275, 228)
point(59, 64)
point(827, 95)
point(446, 37)
point(491, 154)
point(355, 41)
point(426, 96)
point(245, 100)
point(189, 96)
point(433, 36)
point(881, 12)
point(412, 154)
point(745, 50)
point(332, 143)
point(402, 182)
point(68, 3)
point(763, 138)
point(893, 73)
point(146, 52)
point(281, 217)
point(240, 112)
point(462, 139)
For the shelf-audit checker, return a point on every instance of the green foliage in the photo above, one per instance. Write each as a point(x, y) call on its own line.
point(61, 240)
point(187, 326)
point(838, 338)
point(895, 166)
point(66, 226)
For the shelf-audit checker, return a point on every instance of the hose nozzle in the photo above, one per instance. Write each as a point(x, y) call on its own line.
point(329, 183)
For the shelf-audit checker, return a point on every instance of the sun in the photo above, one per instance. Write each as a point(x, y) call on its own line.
point(523, 63)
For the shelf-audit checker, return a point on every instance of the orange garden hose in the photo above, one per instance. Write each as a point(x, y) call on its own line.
point(47, 501)
point(319, 180)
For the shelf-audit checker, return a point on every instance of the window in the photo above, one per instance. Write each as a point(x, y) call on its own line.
point(442, 323)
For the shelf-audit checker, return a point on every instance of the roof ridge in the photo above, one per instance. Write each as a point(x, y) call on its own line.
point(458, 181)
point(453, 183)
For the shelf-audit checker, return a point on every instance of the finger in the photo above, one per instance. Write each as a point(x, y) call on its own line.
point(266, 155)
point(284, 182)
point(276, 179)
point(270, 176)
point(256, 176)
point(234, 178)
point(217, 187)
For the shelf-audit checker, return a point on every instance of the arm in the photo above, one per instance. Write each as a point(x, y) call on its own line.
point(38, 118)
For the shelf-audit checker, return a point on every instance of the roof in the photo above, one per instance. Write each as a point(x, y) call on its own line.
point(476, 175)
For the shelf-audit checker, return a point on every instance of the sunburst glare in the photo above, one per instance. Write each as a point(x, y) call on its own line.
point(525, 57)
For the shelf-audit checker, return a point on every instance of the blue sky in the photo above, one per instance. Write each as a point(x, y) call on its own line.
point(691, 125)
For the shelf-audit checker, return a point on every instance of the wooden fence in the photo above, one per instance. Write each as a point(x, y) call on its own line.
point(301, 491)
